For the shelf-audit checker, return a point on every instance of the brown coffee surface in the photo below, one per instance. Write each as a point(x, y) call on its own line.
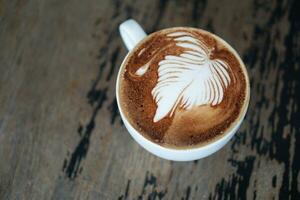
point(187, 124)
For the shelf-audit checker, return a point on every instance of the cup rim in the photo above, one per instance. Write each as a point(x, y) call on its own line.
point(207, 145)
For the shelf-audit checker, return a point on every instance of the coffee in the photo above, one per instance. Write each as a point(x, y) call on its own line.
point(183, 87)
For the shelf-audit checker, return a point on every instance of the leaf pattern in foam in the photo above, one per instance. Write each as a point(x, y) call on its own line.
point(189, 79)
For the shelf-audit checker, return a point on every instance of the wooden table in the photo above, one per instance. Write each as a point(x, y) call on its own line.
point(61, 136)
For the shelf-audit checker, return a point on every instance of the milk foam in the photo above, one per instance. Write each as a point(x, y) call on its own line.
point(189, 79)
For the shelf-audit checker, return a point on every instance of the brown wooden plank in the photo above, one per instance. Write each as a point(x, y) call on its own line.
point(61, 136)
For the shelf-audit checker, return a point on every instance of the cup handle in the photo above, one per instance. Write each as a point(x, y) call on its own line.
point(132, 33)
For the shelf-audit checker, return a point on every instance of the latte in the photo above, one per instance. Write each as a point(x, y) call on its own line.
point(183, 87)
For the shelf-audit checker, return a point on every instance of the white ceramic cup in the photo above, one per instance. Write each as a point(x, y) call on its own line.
point(132, 33)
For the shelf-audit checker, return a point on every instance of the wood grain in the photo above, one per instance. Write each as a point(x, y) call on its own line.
point(61, 136)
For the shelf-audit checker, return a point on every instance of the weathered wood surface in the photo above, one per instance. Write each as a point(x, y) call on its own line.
point(60, 132)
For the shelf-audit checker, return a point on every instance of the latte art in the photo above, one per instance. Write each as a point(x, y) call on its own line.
point(189, 79)
point(183, 87)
